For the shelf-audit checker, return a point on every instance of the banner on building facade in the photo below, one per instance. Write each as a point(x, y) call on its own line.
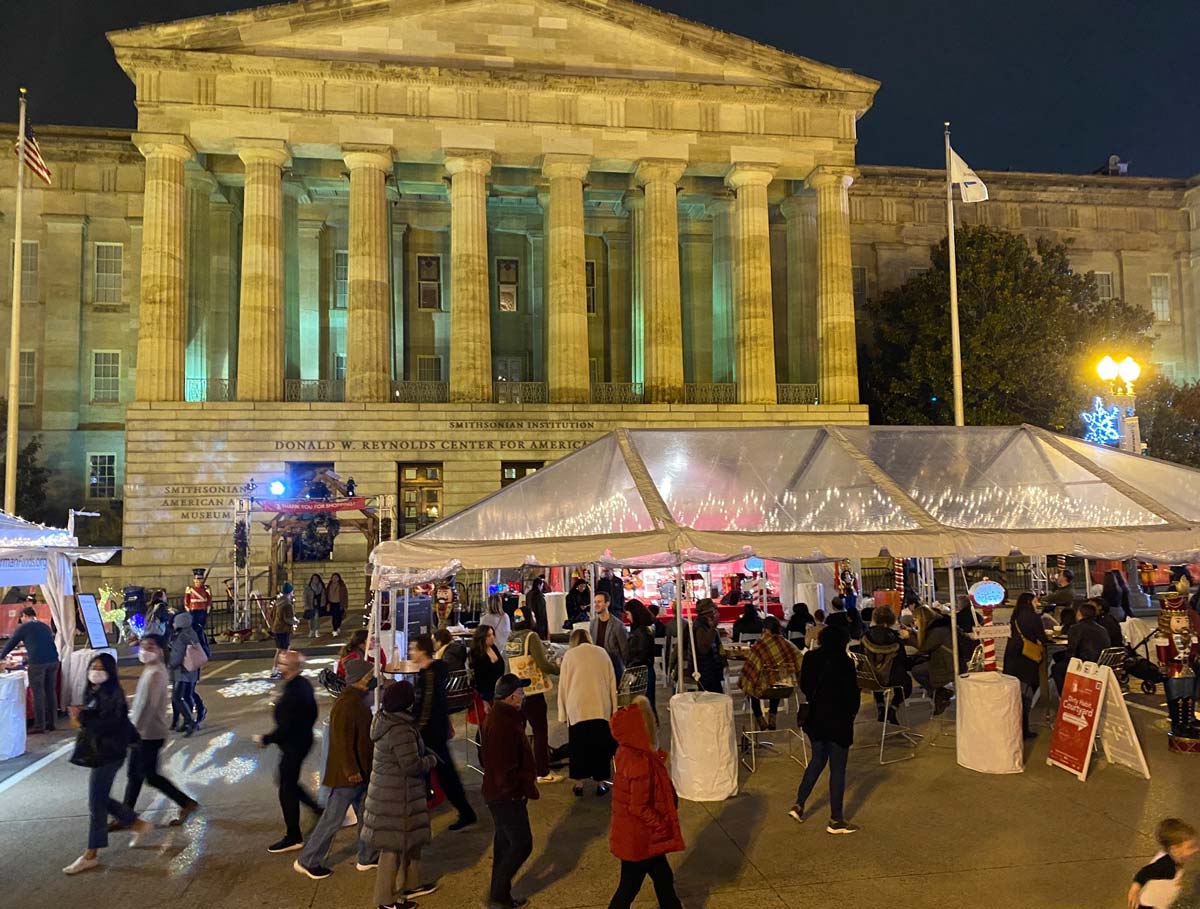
point(311, 506)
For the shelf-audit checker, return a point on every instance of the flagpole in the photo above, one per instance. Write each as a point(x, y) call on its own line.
point(14, 340)
point(955, 343)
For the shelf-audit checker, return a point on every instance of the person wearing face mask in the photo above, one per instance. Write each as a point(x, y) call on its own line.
point(104, 737)
point(42, 665)
point(295, 714)
point(347, 773)
point(149, 718)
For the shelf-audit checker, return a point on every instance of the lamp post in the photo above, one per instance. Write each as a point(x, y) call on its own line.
point(1114, 421)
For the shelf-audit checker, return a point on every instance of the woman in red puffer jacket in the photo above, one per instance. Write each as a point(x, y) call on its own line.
point(645, 822)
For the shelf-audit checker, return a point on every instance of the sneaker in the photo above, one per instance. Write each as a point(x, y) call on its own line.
point(464, 822)
point(603, 788)
point(287, 844)
point(366, 866)
point(796, 813)
point(316, 872)
point(184, 813)
point(550, 778)
point(421, 890)
point(201, 715)
point(81, 864)
point(841, 827)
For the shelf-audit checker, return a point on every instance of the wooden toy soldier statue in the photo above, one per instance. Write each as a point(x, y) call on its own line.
point(1178, 649)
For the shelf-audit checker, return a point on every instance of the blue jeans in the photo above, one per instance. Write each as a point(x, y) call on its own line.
point(316, 847)
point(835, 755)
point(101, 803)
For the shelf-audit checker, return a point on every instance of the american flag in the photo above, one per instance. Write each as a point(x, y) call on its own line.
point(33, 155)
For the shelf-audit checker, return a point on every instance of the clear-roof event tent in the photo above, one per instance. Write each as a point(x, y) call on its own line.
point(657, 498)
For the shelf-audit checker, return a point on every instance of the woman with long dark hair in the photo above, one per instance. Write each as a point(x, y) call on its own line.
point(336, 598)
point(828, 680)
point(641, 644)
point(105, 734)
point(486, 662)
point(1025, 651)
point(314, 604)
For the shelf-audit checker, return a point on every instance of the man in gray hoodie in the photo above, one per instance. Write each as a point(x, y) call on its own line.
point(185, 698)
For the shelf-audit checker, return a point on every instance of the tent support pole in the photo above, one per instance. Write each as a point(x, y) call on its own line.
point(679, 627)
point(953, 624)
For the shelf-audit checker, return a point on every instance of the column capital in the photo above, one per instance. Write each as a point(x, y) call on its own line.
point(310, 228)
point(633, 200)
point(658, 170)
point(720, 204)
point(196, 177)
point(376, 157)
point(295, 188)
point(575, 167)
point(825, 175)
point(263, 151)
point(746, 173)
point(168, 144)
point(472, 160)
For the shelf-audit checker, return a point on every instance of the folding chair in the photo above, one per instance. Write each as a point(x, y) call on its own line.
point(634, 682)
point(783, 688)
point(1114, 658)
point(868, 680)
point(474, 737)
point(460, 697)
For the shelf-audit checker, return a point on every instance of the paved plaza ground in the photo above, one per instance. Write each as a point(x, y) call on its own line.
point(933, 834)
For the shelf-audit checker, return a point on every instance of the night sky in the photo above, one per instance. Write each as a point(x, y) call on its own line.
point(1041, 85)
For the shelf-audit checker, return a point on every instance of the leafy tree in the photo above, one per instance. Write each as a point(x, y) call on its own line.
point(31, 474)
point(1169, 415)
point(1031, 331)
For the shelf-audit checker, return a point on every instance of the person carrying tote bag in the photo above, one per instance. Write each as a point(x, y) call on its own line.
point(527, 659)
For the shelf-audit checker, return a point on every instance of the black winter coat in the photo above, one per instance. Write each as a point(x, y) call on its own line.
point(828, 681)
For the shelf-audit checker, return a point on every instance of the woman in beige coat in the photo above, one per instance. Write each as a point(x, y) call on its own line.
point(587, 697)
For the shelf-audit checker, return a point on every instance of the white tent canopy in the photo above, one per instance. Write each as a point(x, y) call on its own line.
point(646, 498)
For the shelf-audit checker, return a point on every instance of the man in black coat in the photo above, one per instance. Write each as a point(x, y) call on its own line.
point(433, 719)
point(1086, 640)
point(295, 715)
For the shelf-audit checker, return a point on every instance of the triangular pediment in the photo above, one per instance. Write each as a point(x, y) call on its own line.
point(596, 38)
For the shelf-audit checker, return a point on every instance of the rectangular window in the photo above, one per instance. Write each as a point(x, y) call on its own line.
point(1166, 370)
point(110, 263)
point(590, 282)
point(339, 367)
point(510, 369)
point(858, 275)
point(29, 269)
point(507, 284)
point(916, 271)
point(28, 385)
point(102, 476)
point(106, 376)
point(511, 471)
point(429, 282)
point(1104, 285)
point(341, 278)
point(1160, 297)
point(429, 369)
point(420, 496)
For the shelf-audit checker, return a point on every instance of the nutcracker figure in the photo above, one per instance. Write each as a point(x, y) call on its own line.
point(443, 605)
point(1178, 649)
point(197, 600)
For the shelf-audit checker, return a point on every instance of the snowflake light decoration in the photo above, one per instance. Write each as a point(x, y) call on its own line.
point(1103, 424)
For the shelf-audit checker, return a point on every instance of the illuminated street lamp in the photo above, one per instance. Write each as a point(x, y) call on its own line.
point(1113, 420)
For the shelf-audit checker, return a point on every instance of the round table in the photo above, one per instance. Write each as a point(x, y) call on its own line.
point(12, 713)
point(704, 758)
point(988, 722)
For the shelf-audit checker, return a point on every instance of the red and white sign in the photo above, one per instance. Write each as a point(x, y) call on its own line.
point(311, 506)
point(1078, 716)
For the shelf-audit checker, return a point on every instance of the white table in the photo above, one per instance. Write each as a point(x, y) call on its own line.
point(988, 723)
point(1135, 630)
point(12, 713)
point(704, 758)
point(75, 669)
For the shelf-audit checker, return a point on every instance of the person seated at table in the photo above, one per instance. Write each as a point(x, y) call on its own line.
point(839, 618)
point(772, 666)
point(1066, 618)
point(356, 648)
point(934, 643)
point(1048, 618)
point(812, 637)
point(450, 650)
point(883, 647)
point(1024, 652)
point(748, 622)
point(799, 620)
point(1085, 640)
point(1105, 619)
point(579, 600)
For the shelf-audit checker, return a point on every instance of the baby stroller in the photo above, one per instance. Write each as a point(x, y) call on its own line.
point(1139, 668)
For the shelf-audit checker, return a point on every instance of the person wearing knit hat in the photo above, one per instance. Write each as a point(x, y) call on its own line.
point(347, 774)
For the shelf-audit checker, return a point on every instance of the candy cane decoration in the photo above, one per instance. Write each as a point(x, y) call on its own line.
point(898, 575)
point(987, 595)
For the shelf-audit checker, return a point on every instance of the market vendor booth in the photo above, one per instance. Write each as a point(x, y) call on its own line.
point(679, 500)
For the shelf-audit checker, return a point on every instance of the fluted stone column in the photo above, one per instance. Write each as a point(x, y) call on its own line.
point(835, 286)
point(634, 202)
point(162, 319)
point(470, 303)
point(368, 309)
point(200, 185)
point(294, 194)
point(220, 332)
point(260, 320)
point(659, 253)
point(724, 344)
point(800, 212)
point(566, 316)
point(754, 326)
point(309, 322)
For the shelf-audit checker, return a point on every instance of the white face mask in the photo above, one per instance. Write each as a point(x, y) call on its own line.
point(147, 656)
point(97, 676)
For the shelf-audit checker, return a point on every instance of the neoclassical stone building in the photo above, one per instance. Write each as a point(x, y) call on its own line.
point(437, 244)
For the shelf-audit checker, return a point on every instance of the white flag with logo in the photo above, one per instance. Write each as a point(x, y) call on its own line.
point(969, 184)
